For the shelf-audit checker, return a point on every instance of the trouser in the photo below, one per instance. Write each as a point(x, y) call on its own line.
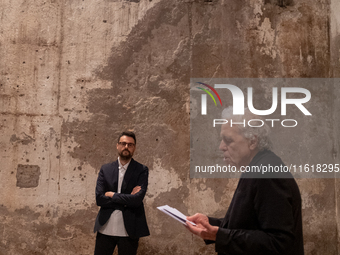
point(105, 245)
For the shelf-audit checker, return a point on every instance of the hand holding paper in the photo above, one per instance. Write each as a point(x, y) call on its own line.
point(197, 224)
point(202, 228)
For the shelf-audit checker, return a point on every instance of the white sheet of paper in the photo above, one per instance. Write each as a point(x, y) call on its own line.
point(174, 213)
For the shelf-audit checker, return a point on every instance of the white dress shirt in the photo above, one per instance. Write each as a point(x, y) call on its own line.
point(115, 225)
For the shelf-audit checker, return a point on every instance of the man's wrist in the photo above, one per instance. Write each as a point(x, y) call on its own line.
point(109, 194)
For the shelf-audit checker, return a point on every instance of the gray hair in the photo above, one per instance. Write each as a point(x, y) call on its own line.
point(262, 133)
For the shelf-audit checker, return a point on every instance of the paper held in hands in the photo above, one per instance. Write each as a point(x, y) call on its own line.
point(174, 213)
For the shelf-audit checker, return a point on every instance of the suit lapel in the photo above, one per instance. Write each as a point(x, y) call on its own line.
point(128, 175)
point(115, 173)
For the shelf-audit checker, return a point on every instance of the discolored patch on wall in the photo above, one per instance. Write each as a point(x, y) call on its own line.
point(28, 176)
point(25, 231)
point(132, 1)
point(24, 140)
point(150, 72)
point(203, 1)
point(281, 3)
point(154, 106)
point(80, 220)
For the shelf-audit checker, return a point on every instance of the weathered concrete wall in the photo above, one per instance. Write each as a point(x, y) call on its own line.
point(73, 74)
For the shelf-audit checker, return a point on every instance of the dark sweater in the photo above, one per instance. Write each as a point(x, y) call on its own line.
point(264, 216)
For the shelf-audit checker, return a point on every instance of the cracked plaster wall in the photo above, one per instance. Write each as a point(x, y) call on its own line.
point(73, 74)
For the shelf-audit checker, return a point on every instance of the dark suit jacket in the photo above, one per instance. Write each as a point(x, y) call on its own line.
point(131, 205)
point(264, 216)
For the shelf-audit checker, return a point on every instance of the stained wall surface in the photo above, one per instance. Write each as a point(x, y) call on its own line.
point(74, 74)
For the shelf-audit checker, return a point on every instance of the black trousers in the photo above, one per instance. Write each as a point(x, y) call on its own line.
point(105, 245)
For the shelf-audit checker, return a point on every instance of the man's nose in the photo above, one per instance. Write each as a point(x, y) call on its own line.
point(222, 146)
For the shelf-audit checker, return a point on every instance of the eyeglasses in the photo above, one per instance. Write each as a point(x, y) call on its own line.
point(130, 145)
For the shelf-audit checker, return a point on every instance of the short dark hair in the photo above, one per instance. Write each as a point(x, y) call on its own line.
point(127, 133)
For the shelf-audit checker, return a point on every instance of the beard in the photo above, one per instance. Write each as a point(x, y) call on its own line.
point(125, 156)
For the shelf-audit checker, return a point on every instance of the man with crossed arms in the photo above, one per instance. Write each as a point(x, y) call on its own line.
point(121, 187)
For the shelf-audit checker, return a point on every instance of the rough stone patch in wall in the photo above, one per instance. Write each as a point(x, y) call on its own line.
point(28, 176)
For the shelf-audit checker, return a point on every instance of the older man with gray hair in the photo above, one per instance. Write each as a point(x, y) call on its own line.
point(264, 216)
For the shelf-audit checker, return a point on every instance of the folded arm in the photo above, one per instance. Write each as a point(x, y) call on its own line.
point(134, 200)
point(111, 199)
point(101, 199)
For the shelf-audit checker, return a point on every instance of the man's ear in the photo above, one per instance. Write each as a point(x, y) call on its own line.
point(253, 143)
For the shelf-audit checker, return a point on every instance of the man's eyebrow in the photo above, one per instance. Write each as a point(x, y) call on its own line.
point(226, 138)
